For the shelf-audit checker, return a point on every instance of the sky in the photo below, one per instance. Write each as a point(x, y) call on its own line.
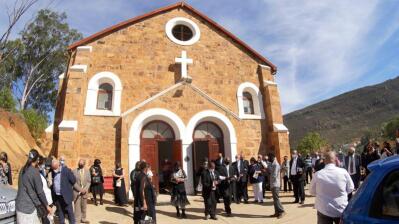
point(321, 48)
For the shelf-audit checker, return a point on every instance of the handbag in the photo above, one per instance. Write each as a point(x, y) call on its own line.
point(199, 186)
point(118, 183)
point(96, 179)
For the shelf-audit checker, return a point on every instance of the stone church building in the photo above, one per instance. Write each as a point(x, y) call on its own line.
point(170, 84)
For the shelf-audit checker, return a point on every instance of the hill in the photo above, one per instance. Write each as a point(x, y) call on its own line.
point(15, 140)
point(347, 116)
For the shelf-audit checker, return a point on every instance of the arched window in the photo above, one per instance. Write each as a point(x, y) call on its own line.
point(207, 130)
point(104, 96)
point(158, 130)
point(248, 103)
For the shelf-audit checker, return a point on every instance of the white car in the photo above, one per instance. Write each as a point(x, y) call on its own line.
point(7, 204)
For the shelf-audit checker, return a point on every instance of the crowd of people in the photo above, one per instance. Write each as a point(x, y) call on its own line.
point(48, 188)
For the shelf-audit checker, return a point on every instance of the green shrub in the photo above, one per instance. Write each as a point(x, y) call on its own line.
point(36, 122)
point(389, 128)
point(310, 143)
point(6, 100)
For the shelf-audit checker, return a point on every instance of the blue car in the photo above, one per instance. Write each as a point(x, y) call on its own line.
point(377, 199)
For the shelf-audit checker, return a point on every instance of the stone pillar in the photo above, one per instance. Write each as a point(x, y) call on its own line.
point(187, 156)
point(277, 133)
point(75, 81)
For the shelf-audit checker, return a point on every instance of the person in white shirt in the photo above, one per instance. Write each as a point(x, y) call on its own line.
point(331, 187)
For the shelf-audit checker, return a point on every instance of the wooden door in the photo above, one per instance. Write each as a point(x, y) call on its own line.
point(149, 153)
point(177, 152)
point(213, 149)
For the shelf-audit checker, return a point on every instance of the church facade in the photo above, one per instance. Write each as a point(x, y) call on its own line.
point(168, 85)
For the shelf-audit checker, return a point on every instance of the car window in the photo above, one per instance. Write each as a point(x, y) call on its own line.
point(386, 198)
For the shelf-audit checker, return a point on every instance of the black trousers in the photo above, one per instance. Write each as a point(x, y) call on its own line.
point(323, 219)
point(265, 185)
point(287, 183)
point(210, 204)
point(226, 194)
point(356, 179)
point(309, 173)
point(137, 216)
point(242, 190)
point(64, 208)
point(299, 188)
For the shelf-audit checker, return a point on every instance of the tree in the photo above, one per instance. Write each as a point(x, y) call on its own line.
point(311, 142)
point(6, 100)
point(7, 49)
point(36, 122)
point(41, 57)
point(389, 129)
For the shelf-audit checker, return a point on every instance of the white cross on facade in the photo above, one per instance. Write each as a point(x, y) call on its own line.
point(184, 61)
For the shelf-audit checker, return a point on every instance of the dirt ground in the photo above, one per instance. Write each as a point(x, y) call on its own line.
point(242, 213)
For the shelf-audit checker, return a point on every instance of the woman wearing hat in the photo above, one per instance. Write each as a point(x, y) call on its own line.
point(97, 181)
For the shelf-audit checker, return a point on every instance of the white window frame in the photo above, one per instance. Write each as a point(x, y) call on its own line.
point(92, 94)
point(257, 100)
point(182, 21)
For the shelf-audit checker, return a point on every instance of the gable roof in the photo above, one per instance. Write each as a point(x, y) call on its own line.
point(165, 9)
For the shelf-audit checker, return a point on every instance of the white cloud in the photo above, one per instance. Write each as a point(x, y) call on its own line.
point(319, 46)
point(317, 42)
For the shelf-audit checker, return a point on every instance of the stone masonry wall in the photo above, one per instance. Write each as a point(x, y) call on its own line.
point(142, 56)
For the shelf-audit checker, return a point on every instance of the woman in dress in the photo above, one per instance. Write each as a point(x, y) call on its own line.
point(179, 196)
point(97, 181)
point(30, 196)
point(5, 169)
point(119, 185)
point(147, 189)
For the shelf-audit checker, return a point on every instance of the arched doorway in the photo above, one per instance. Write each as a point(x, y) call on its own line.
point(159, 147)
point(208, 143)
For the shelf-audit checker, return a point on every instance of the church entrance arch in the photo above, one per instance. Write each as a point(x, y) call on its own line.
point(154, 135)
point(208, 142)
point(161, 150)
point(208, 133)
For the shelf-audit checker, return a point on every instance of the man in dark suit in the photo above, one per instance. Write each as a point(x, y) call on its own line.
point(352, 165)
point(219, 162)
point(233, 182)
point(297, 167)
point(210, 180)
point(227, 174)
point(62, 190)
point(242, 182)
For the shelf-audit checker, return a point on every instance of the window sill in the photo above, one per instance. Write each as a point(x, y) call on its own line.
point(104, 113)
point(251, 117)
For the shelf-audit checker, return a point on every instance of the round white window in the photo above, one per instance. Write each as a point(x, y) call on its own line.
point(182, 31)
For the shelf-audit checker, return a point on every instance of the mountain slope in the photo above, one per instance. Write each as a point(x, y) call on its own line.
point(15, 140)
point(347, 116)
